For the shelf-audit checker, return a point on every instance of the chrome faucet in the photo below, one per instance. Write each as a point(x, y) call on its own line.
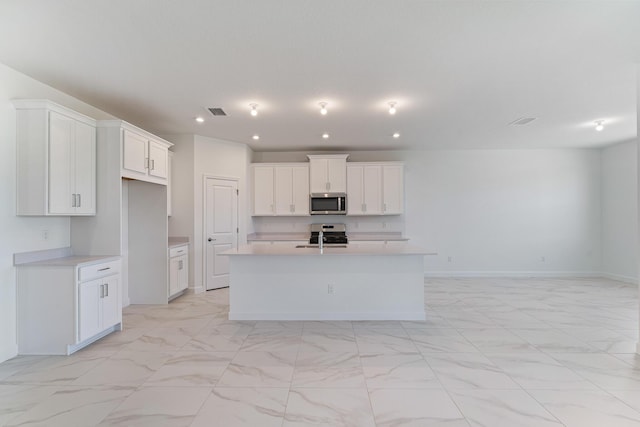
point(321, 239)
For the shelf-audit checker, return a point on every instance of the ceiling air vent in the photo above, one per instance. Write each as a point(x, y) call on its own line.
point(522, 121)
point(217, 111)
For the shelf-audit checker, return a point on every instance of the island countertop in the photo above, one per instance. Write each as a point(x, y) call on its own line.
point(399, 248)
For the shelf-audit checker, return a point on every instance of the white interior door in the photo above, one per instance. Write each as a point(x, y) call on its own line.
point(221, 229)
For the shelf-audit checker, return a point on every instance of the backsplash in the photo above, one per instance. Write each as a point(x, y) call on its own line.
point(293, 224)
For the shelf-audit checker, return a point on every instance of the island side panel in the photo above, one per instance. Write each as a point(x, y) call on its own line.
point(327, 287)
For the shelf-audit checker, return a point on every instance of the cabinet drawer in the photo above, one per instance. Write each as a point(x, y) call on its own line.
point(98, 270)
point(178, 250)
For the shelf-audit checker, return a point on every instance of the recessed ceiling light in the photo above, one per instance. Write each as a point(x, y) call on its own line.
point(256, 137)
point(323, 108)
point(254, 109)
point(325, 136)
point(599, 125)
point(200, 119)
point(396, 135)
point(392, 107)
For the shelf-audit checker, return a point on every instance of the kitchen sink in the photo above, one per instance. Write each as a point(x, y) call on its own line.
point(316, 246)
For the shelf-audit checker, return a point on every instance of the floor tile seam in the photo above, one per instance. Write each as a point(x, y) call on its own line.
point(576, 371)
point(546, 408)
point(637, 411)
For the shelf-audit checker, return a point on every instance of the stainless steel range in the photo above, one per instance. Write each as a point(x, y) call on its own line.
point(333, 234)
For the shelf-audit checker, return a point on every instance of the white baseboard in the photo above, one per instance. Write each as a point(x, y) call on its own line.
point(9, 353)
point(403, 315)
point(195, 290)
point(620, 278)
point(509, 274)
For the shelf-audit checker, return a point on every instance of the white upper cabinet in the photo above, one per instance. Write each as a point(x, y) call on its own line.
point(280, 189)
point(364, 189)
point(56, 160)
point(292, 190)
point(263, 190)
point(328, 173)
point(144, 158)
point(393, 189)
point(375, 188)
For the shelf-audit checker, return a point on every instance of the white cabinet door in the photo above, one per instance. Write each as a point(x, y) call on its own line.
point(111, 311)
point(158, 158)
point(62, 198)
point(135, 154)
point(355, 190)
point(318, 175)
point(85, 169)
point(328, 173)
point(173, 275)
point(283, 190)
point(263, 191)
point(393, 189)
point(337, 175)
point(300, 190)
point(372, 191)
point(89, 315)
point(183, 273)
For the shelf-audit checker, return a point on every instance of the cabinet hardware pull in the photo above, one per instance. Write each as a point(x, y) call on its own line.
point(146, 163)
point(153, 164)
point(180, 251)
point(106, 286)
point(105, 269)
point(73, 200)
point(384, 207)
point(101, 291)
point(79, 204)
point(180, 265)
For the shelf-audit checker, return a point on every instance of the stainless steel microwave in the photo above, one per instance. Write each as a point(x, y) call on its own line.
point(328, 204)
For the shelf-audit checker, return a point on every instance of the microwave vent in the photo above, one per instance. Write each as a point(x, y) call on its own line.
point(217, 111)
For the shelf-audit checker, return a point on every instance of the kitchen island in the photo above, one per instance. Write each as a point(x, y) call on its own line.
point(354, 282)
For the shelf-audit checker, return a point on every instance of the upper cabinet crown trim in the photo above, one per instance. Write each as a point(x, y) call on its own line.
point(328, 156)
point(35, 104)
point(128, 126)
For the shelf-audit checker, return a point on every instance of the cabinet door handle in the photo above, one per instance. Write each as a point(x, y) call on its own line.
point(101, 291)
point(146, 163)
point(106, 287)
point(104, 269)
point(328, 186)
point(73, 200)
point(79, 204)
point(292, 208)
point(272, 209)
point(153, 164)
point(180, 265)
point(384, 207)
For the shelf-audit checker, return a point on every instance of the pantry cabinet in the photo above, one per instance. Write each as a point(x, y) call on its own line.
point(280, 189)
point(56, 160)
point(328, 173)
point(375, 188)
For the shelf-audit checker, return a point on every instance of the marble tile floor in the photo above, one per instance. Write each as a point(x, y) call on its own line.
point(492, 352)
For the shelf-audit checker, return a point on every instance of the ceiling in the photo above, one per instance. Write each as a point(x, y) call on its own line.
point(460, 71)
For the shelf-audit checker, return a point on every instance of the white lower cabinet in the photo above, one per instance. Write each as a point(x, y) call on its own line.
point(98, 306)
point(178, 270)
point(65, 306)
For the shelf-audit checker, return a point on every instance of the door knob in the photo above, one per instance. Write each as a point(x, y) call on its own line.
point(211, 240)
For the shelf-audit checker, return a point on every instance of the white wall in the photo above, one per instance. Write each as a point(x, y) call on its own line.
point(22, 234)
point(196, 157)
point(494, 211)
point(620, 211)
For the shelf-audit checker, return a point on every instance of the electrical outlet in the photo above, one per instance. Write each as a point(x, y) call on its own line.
point(384, 224)
point(542, 259)
point(330, 289)
point(45, 234)
point(449, 259)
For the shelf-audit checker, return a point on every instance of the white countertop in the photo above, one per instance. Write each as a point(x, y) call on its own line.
point(351, 249)
point(72, 261)
point(178, 241)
